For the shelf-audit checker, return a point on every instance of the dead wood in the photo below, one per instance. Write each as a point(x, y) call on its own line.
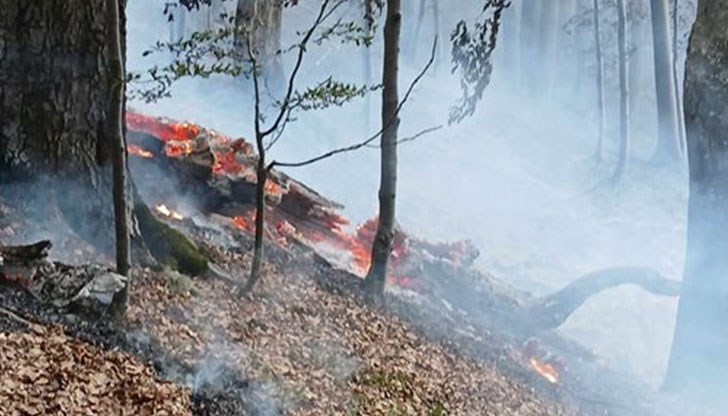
point(19, 263)
point(168, 245)
point(25, 253)
point(551, 311)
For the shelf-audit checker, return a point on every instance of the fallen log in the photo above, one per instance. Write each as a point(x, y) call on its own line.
point(218, 173)
point(553, 310)
point(19, 263)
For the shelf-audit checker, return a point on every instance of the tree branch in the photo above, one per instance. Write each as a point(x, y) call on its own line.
point(323, 15)
point(370, 139)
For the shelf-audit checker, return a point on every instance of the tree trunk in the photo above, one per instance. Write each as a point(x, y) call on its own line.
point(639, 64)
point(55, 84)
point(258, 253)
point(261, 21)
point(623, 92)
point(382, 245)
point(530, 15)
point(549, 36)
point(675, 74)
point(600, 84)
point(116, 135)
point(668, 137)
point(422, 10)
point(699, 359)
point(511, 44)
point(367, 60)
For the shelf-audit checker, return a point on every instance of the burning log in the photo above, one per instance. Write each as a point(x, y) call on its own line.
point(168, 245)
point(218, 173)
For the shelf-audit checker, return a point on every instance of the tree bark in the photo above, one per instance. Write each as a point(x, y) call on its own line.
point(116, 135)
point(600, 84)
point(623, 92)
point(54, 94)
point(382, 246)
point(261, 22)
point(367, 60)
point(699, 358)
point(675, 74)
point(668, 137)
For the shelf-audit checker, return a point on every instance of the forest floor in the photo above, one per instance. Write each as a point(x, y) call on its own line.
point(296, 346)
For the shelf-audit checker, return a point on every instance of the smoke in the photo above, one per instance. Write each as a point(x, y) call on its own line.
point(513, 178)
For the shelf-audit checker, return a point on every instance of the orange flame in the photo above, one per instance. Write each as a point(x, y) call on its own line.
point(162, 209)
point(546, 370)
point(165, 130)
point(178, 149)
point(139, 151)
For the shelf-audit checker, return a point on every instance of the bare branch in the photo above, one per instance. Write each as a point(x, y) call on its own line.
point(411, 138)
point(370, 139)
point(351, 148)
point(323, 15)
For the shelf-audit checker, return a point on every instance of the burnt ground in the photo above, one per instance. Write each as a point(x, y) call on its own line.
point(306, 343)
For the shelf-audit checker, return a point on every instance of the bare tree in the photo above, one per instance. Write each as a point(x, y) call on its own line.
point(624, 132)
point(675, 76)
point(668, 136)
point(382, 246)
point(116, 135)
point(599, 83)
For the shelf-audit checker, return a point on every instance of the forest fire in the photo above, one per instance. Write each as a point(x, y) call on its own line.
point(138, 151)
point(162, 209)
point(539, 360)
point(546, 370)
point(225, 169)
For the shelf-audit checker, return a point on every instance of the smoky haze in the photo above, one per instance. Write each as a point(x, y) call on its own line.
point(515, 178)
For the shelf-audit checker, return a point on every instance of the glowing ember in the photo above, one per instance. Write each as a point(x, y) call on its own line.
point(138, 151)
point(178, 149)
point(162, 209)
point(273, 189)
point(165, 130)
point(546, 370)
point(245, 223)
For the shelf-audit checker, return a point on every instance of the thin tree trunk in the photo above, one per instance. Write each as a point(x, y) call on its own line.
point(698, 362)
point(258, 251)
point(261, 177)
point(668, 137)
point(623, 93)
point(639, 62)
point(530, 18)
point(418, 28)
point(116, 135)
point(675, 73)
point(367, 60)
point(600, 84)
point(382, 246)
point(549, 37)
point(512, 45)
